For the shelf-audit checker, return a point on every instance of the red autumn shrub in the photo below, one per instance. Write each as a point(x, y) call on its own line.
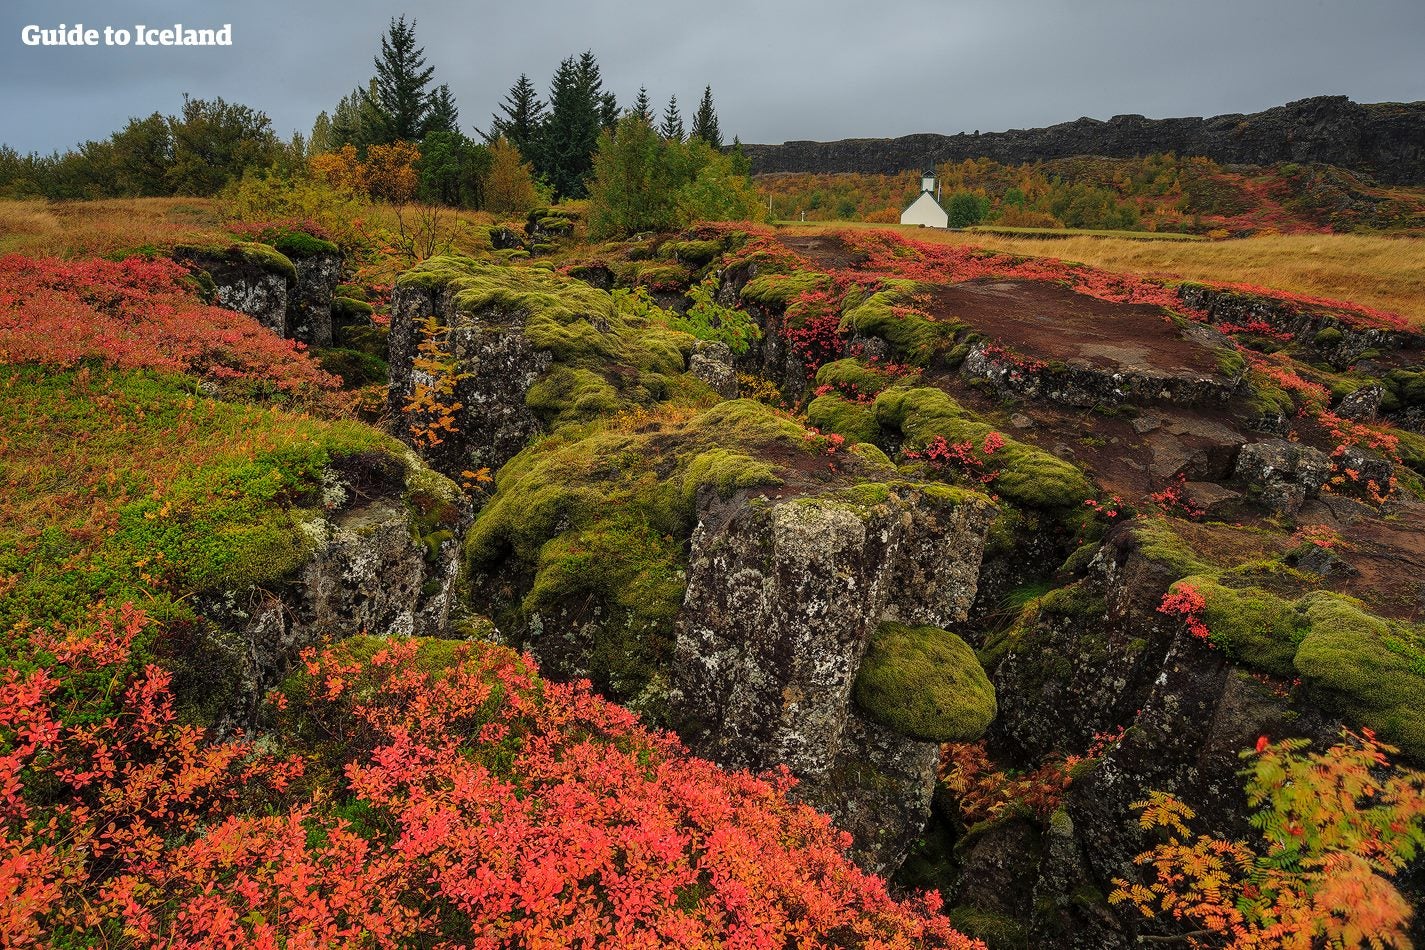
point(447, 796)
point(139, 314)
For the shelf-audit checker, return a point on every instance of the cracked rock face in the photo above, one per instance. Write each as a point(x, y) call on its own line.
point(496, 363)
point(265, 295)
point(309, 317)
point(782, 598)
point(370, 571)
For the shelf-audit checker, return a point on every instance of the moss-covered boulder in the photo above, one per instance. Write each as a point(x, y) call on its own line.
point(925, 682)
point(251, 278)
point(511, 350)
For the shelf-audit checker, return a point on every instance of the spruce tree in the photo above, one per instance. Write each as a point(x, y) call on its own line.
point(443, 115)
point(608, 110)
point(401, 79)
point(672, 127)
point(576, 104)
point(642, 106)
point(321, 138)
point(523, 117)
point(705, 121)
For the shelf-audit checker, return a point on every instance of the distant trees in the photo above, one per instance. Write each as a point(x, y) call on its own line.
point(644, 181)
point(523, 118)
point(966, 209)
point(672, 125)
point(509, 186)
point(208, 145)
point(705, 121)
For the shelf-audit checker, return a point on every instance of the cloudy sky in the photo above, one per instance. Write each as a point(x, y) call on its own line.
point(780, 69)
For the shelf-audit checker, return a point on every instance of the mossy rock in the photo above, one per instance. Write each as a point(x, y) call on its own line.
point(1028, 476)
point(889, 315)
point(301, 244)
point(779, 289)
point(852, 421)
point(695, 252)
point(351, 310)
point(925, 683)
point(261, 256)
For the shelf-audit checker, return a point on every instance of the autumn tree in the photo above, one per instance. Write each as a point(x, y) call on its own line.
point(1335, 827)
point(509, 186)
point(633, 186)
point(705, 121)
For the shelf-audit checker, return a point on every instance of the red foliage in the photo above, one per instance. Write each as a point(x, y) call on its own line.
point(940, 452)
point(481, 808)
point(1187, 602)
point(139, 314)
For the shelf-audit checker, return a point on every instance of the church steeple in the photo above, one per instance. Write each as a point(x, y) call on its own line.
point(927, 182)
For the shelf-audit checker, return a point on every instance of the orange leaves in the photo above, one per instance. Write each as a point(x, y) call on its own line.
point(457, 800)
point(1335, 827)
point(387, 173)
point(432, 405)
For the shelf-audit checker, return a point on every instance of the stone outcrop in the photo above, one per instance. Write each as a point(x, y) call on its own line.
point(782, 599)
point(1099, 659)
point(289, 293)
point(496, 366)
point(384, 559)
point(249, 278)
point(1385, 140)
point(309, 317)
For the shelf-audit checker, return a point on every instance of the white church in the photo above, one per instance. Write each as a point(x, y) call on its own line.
point(925, 210)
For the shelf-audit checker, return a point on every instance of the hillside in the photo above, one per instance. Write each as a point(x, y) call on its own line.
point(700, 588)
point(1385, 141)
point(1158, 193)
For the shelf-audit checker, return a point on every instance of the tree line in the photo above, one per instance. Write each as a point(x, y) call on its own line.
point(533, 149)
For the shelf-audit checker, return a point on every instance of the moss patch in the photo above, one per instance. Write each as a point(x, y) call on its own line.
point(925, 683)
point(1028, 476)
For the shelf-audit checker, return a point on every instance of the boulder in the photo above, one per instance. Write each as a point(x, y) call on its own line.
point(1285, 473)
point(309, 316)
point(250, 278)
point(783, 597)
point(712, 363)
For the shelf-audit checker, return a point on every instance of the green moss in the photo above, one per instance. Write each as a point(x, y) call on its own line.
point(1328, 336)
point(353, 366)
point(1374, 669)
point(301, 244)
point(890, 315)
point(779, 290)
point(1251, 625)
point(350, 310)
point(695, 252)
point(925, 683)
point(853, 421)
point(853, 377)
point(872, 454)
point(1157, 541)
point(1028, 476)
point(998, 931)
point(1230, 362)
point(261, 256)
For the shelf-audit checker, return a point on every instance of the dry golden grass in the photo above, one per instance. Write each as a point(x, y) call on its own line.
point(1376, 271)
point(81, 228)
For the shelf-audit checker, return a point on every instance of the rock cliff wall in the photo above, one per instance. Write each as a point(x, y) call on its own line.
point(1384, 140)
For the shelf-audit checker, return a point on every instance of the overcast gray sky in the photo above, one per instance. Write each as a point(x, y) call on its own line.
point(795, 69)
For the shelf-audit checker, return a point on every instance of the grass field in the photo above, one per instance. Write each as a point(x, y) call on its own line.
point(1059, 233)
point(1377, 271)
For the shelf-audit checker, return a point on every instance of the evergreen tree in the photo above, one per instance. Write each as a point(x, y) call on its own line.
point(401, 79)
point(321, 137)
point(576, 104)
point(523, 116)
point(705, 121)
point(642, 106)
point(672, 127)
point(443, 114)
point(608, 110)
